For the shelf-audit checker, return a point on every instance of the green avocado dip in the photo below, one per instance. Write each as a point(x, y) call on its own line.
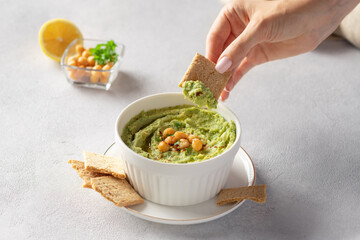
point(144, 133)
point(199, 93)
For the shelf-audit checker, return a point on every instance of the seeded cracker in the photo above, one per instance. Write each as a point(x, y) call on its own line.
point(203, 69)
point(95, 162)
point(254, 193)
point(79, 166)
point(119, 191)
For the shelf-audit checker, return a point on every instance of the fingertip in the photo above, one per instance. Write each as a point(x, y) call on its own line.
point(224, 95)
point(230, 84)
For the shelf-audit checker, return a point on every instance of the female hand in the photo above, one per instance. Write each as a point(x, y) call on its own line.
point(247, 33)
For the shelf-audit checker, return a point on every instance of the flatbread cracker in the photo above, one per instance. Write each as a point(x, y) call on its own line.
point(95, 162)
point(203, 69)
point(79, 166)
point(119, 191)
point(254, 193)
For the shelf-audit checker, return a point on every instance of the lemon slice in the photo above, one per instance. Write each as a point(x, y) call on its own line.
point(55, 35)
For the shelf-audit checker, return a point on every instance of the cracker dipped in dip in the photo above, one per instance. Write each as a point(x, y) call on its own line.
point(202, 84)
point(179, 134)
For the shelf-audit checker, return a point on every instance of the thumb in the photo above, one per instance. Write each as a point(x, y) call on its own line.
point(232, 56)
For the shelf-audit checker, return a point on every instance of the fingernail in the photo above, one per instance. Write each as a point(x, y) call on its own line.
point(223, 65)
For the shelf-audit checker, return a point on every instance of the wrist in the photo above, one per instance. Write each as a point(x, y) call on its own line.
point(344, 6)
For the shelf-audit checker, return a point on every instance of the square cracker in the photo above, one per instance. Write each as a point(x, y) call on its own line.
point(254, 193)
point(79, 166)
point(119, 191)
point(203, 69)
point(95, 162)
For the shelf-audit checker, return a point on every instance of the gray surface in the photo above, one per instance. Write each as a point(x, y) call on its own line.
point(300, 119)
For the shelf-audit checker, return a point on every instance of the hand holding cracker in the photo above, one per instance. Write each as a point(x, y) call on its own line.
point(202, 83)
point(249, 33)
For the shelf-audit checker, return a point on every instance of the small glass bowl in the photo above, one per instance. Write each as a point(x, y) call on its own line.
point(87, 76)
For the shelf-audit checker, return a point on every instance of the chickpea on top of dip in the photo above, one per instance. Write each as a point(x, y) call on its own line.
point(179, 134)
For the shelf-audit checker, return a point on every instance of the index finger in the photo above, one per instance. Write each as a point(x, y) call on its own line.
point(217, 36)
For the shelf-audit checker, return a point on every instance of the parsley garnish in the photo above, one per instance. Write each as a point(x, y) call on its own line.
point(177, 124)
point(158, 139)
point(188, 151)
point(104, 53)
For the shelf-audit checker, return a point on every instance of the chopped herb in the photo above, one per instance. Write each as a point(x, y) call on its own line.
point(104, 53)
point(158, 139)
point(177, 143)
point(188, 151)
point(177, 124)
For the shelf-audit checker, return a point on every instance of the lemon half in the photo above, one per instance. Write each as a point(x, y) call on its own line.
point(55, 35)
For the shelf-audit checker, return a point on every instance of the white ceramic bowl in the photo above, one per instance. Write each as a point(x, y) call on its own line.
point(170, 183)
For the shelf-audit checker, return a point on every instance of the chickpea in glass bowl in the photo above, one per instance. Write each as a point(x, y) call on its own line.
point(91, 63)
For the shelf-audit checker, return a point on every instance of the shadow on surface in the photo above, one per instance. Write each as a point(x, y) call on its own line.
point(250, 221)
point(279, 218)
point(334, 46)
point(125, 84)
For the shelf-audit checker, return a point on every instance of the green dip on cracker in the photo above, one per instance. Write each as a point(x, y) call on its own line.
point(202, 84)
point(199, 93)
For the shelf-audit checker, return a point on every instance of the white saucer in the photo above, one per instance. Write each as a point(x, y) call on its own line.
point(241, 174)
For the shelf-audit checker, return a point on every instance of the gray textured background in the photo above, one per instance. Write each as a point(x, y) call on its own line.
point(300, 123)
